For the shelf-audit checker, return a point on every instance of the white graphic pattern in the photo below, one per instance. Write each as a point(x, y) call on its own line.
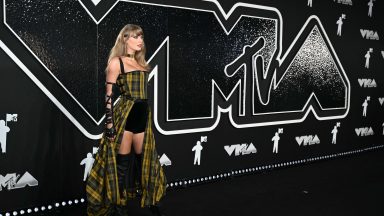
point(365, 106)
point(334, 132)
point(367, 57)
point(165, 161)
point(370, 6)
point(4, 129)
point(309, 3)
point(88, 162)
point(275, 140)
point(13, 181)
point(197, 149)
point(339, 23)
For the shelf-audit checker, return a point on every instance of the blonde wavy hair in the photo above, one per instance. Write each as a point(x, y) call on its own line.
point(119, 49)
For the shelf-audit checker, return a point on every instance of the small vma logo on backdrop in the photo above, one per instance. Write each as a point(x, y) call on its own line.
point(334, 132)
point(369, 34)
point(364, 131)
point(197, 149)
point(308, 140)
point(365, 106)
point(4, 129)
point(367, 57)
point(241, 149)
point(367, 83)
point(339, 23)
point(345, 2)
point(165, 161)
point(383, 128)
point(275, 140)
point(88, 162)
point(370, 7)
point(13, 181)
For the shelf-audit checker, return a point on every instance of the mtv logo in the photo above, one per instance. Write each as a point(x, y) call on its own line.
point(94, 150)
point(11, 117)
point(12, 181)
point(261, 48)
point(280, 130)
point(203, 139)
point(343, 16)
point(338, 124)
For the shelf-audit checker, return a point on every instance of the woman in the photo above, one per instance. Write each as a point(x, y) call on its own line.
point(127, 164)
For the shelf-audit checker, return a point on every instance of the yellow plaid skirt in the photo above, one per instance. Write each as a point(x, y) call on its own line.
point(102, 188)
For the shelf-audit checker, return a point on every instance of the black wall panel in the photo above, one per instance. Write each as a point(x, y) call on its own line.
point(240, 78)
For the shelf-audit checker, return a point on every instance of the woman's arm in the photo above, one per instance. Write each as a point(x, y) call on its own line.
point(111, 77)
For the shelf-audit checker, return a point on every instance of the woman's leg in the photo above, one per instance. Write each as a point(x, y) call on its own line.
point(124, 161)
point(138, 139)
point(126, 143)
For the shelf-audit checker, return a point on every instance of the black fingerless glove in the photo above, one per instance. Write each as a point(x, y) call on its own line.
point(110, 132)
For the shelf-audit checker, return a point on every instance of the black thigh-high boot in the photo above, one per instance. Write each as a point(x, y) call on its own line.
point(138, 163)
point(122, 164)
point(157, 209)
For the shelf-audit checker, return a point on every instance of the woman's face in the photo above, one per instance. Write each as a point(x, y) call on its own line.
point(135, 43)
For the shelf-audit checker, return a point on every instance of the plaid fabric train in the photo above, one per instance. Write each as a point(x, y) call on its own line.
point(102, 187)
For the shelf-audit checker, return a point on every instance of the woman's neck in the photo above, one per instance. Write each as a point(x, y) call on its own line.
point(130, 56)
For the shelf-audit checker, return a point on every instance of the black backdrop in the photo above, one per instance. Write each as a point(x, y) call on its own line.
point(229, 75)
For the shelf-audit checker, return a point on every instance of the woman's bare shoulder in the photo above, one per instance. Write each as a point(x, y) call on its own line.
point(114, 65)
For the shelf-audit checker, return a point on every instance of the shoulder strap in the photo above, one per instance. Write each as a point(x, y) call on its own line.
point(121, 66)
